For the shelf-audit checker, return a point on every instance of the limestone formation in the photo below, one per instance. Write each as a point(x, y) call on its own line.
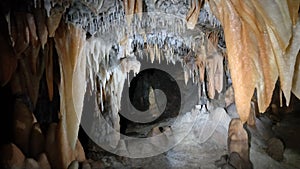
point(81, 47)
point(238, 144)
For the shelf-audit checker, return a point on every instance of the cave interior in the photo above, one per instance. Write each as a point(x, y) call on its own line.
point(94, 84)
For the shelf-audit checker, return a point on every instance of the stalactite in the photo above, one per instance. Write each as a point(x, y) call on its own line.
point(8, 60)
point(48, 54)
point(40, 19)
point(129, 6)
point(19, 32)
point(69, 42)
point(139, 8)
point(34, 47)
point(94, 5)
point(257, 44)
point(54, 19)
point(193, 14)
point(296, 79)
point(30, 79)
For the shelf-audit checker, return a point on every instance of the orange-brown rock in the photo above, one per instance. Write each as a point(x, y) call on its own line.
point(238, 139)
point(54, 19)
point(79, 152)
point(11, 157)
point(259, 40)
point(72, 88)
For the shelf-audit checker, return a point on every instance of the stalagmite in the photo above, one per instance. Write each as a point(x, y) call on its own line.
point(238, 143)
point(69, 41)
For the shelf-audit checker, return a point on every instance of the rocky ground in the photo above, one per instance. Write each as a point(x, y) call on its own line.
point(207, 142)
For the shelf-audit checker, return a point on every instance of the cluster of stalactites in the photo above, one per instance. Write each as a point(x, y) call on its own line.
point(108, 65)
point(262, 39)
point(131, 14)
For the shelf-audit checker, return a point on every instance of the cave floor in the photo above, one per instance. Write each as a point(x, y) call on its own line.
point(197, 152)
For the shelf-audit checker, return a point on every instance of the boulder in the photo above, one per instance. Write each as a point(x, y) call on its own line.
point(11, 157)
